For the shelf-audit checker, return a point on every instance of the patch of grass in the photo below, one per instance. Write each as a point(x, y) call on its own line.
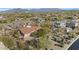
point(7, 41)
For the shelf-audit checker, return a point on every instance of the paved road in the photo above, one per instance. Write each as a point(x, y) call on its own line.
point(75, 44)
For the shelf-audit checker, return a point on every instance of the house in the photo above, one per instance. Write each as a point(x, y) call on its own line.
point(68, 30)
point(1, 17)
point(58, 24)
point(15, 24)
point(26, 31)
point(75, 17)
point(54, 18)
point(76, 22)
point(63, 23)
point(41, 20)
point(72, 24)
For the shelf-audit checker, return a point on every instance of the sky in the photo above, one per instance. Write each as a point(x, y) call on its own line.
point(63, 4)
point(39, 3)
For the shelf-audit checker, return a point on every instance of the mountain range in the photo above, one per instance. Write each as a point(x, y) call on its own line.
point(20, 10)
point(26, 10)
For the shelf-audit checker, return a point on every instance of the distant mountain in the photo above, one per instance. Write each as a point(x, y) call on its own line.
point(20, 10)
point(70, 8)
point(15, 10)
point(45, 10)
point(75, 9)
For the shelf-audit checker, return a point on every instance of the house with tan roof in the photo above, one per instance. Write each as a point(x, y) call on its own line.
point(26, 31)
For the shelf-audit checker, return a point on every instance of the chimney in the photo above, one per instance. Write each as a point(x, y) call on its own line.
point(28, 26)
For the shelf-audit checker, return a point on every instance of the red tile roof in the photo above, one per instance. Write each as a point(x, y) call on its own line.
point(28, 29)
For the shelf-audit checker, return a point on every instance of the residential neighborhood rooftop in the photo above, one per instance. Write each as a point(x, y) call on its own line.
point(29, 29)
